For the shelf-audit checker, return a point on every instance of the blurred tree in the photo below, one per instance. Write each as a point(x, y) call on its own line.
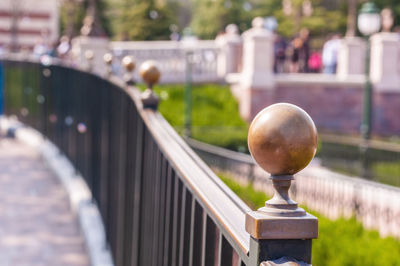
point(212, 16)
point(95, 22)
point(295, 14)
point(73, 13)
point(351, 18)
point(144, 20)
point(394, 5)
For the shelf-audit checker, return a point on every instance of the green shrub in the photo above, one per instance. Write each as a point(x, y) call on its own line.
point(215, 115)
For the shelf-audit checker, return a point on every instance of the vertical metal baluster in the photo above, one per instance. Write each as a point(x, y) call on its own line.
point(235, 257)
point(210, 241)
point(129, 185)
point(156, 187)
point(112, 172)
point(177, 221)
point(145, 202)
point(218, 244)
point(196, 228)
point(122, 132)
point(225, 252)
point(88, 121)
point(95, 111)
point(162, 208)
point(137, 190)
point(169, 205)
point(104, 150)
point(71, 104)
point(185, 228)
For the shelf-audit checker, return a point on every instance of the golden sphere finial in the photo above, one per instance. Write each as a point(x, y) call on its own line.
point(282, 139)
point(128, 63)
point(149, 72)
point(108, 58)
point(89, 55)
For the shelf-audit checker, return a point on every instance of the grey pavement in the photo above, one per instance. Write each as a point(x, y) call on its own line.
point(37, 226)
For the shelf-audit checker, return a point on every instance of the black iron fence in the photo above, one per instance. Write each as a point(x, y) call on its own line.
point(376, 160)
point(161, 205)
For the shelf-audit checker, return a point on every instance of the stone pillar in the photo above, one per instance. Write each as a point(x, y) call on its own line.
point(385, 61)
point(230, 54)
point(257, 75)
point(258, 57)
point(98, 45)
point(351, 57)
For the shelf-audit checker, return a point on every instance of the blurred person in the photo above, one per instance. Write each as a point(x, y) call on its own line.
point(280, 46)
point(40, 48)
point(294, 49)
point(315, 62)
point(330, 54)
point(387, 19)
point(304, 51)
point(64, 47)
point(300, 50)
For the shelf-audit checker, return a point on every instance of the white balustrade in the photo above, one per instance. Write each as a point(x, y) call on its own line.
point(171, 59)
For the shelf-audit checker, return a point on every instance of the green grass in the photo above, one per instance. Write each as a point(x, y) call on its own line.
point(254, 199)
point(215, 115)
point(342, 242)
point(387, 172)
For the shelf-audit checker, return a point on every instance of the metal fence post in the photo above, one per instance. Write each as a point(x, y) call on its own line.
point(282, 140)
point(151, 75)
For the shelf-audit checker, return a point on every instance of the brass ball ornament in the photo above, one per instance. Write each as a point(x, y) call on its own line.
point(89, 55)
point(150, 72)
point(108, 58)
point(129, 63)
point(282, 139)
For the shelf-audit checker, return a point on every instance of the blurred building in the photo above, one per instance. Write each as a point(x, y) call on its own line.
point(24, 23)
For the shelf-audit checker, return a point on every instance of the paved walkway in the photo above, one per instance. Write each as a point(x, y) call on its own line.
point(37, 227)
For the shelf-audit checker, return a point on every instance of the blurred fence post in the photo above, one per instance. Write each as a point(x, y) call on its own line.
point(351, 57)
point(230, 53)
point(257, 76)
point(258, 57)
point(99, 46)
point(385, 61)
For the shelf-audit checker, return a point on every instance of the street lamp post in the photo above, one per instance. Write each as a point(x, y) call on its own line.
point(189, 42)
point(369, 22)
point(188, 94)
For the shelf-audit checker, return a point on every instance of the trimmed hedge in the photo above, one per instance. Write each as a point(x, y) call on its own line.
point(215, 115)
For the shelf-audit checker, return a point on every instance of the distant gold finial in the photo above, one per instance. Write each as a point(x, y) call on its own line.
point(151, 75)
point(89, 55)
point(282, 140)
point(129, 64)
point(108, 59)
